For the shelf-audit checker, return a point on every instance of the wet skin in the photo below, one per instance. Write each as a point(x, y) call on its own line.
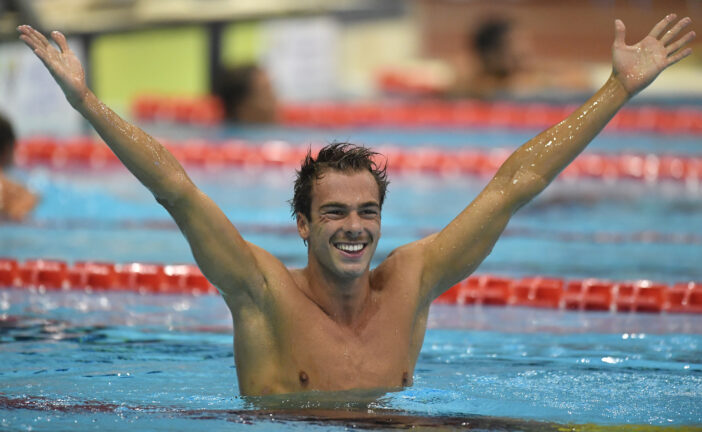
point(344, 227)
point(336, 325)
point(16, 201)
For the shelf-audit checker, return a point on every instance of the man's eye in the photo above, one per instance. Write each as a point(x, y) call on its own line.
point(369, 212)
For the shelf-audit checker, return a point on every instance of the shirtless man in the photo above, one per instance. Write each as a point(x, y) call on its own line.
point(16, 201)
point(336, 324)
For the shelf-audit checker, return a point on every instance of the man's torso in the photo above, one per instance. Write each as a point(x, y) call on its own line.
point(292, 345)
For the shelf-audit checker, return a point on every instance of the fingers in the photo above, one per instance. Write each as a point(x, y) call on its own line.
point(672, 48)
point(42, 41)
point(41, 38)
point(679, 56)
point(39, 44)
point(29, 36)
point(673, 32)
point(662, 24)
point(619, 33)
point(34, 40)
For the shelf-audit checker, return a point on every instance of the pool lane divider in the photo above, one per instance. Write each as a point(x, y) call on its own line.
point(46, 275)
point(482, 115)
point(92, 153)
point(208, 111)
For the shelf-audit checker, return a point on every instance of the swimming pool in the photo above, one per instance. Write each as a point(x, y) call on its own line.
point(111, 360)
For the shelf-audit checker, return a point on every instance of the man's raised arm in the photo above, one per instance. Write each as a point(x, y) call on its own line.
point(456, 251)
point(224, 257)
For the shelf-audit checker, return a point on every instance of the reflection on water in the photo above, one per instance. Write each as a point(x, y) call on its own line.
point(307, 410)
point(157, 358)
point(24, 329)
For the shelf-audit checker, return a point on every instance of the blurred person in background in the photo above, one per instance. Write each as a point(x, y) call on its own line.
point(16, 201)
point(247, 95)
point(497, 61)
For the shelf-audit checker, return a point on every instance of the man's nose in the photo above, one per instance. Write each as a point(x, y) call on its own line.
point(353, 226)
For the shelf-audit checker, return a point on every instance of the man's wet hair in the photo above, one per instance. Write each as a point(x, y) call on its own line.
point(7, 141)
point(337, 156)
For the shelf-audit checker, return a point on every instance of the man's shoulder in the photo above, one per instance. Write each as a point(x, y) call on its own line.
point(274, 273)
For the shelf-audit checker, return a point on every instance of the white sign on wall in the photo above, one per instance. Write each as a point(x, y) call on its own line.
point(301, 57)
point(29, 96)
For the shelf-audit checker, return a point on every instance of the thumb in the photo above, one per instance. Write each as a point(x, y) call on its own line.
point(60, 40)
point(619, 33)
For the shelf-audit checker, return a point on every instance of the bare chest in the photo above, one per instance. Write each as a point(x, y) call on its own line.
point(320, 354)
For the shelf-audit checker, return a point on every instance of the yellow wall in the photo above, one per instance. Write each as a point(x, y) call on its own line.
point(242, 43)
point(172, 61)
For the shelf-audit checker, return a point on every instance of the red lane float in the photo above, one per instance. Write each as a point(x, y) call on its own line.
point(204, 110)
point(54, 275)
point(42, 275)
point(208, 110)
point(582, 295)
point(474, 114)
point(92, 153)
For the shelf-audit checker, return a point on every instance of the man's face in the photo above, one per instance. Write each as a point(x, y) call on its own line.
point(344, 227)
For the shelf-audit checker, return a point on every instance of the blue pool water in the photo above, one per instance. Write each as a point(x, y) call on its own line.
point(115, 361)
point(155, 362)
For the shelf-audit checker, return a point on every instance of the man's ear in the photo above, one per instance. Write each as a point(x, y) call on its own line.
point(303, 226)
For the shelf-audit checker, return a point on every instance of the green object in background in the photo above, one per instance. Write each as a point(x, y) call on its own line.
point(172, 62)
point(242, 44)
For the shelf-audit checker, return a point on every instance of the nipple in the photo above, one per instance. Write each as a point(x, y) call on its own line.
point(304, 379)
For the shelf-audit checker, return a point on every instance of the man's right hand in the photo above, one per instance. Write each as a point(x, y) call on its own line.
point(63, 64)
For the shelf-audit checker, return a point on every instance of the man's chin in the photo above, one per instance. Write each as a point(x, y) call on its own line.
point(352, 272)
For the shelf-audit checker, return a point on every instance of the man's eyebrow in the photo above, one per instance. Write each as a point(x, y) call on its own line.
point(333, 204)
point(370, 204)
point(342, 205)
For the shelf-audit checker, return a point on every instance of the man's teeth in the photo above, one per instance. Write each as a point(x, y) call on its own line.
point(350, 247)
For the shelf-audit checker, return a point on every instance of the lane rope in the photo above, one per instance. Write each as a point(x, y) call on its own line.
point(208, 110)
point(92, 153)
point(475, 114)
point(48, 275)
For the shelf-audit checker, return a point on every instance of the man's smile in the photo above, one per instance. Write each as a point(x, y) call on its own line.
point(350, 248)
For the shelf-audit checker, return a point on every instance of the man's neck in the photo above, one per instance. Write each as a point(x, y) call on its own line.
point(342, 299)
